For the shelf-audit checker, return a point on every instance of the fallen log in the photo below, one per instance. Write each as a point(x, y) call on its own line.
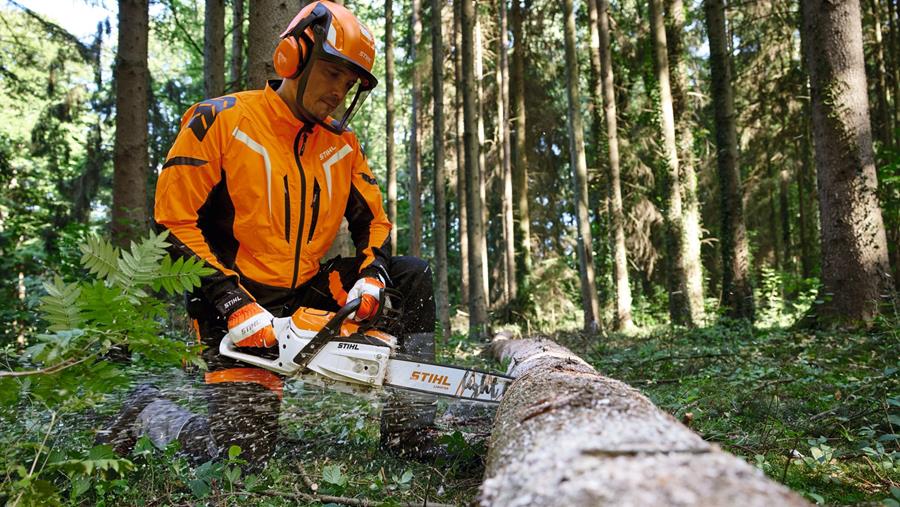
point(566, 435)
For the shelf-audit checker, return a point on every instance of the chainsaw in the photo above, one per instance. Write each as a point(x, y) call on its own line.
point(328, 350)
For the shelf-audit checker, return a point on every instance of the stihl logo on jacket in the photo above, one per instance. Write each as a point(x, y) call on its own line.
point(259, 196)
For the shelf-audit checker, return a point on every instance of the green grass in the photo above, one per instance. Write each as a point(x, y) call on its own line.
point(819, 411)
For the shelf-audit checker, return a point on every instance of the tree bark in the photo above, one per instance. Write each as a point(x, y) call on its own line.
point(693, 266)
point(461, 184)
point(237, 46)
point(482, 163)
point(565, 435)
point(881, 123)
point(681, 309)
point(268, 18)
point(520, 160)
point(131, 160)
point(590, 302)
point(784, 215)
point(415, 173)
point(737, 293)
point(389, 120)
point(503, 134)
point(620, 262)
point(440, 205)
point(805, 180)
point(214, 48)
point(855, 271)
point(478, 318)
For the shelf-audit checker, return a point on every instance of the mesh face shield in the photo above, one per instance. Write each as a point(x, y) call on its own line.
point(324, 50)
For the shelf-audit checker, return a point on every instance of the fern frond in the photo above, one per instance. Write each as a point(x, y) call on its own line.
point(181, 275)
point(99, 256)
point(60, 306)
point(139, 267)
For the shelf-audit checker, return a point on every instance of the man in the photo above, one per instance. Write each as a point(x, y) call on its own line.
point(256, 185)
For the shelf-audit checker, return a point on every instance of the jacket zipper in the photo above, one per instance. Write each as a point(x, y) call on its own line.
point(298, 152)
point(287, 211)
point(315, 211)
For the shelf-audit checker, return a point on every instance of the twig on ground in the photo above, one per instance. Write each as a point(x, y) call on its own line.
point(880, 477)
point(48, 370)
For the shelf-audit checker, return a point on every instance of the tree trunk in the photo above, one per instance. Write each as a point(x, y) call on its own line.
point(478, 318)
point(389, 120)
point(737, 293)
point(881, 123)
point(482, 163)
point(784, 215)
point(268, 18)
point(681, 307)
point(693, 266)
point(855, 271)
point(805, 180)
point(461, 184)
point(503, 135)
point(237, 46)
point(131, 160)
point(214, 49)
point(620, 269)
point(577, 159)
point(520, 160)
point(440, 205)
point(415, 173)
point(564, 435)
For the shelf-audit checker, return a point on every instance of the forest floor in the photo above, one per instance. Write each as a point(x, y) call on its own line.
point(819, 412)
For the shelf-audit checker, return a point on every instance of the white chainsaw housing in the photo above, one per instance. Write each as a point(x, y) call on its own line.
point(345, 362)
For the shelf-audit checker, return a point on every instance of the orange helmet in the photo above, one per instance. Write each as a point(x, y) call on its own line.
point(328, 31)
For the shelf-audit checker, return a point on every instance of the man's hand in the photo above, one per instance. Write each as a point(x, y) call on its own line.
point(368, 288)
point(251, 326)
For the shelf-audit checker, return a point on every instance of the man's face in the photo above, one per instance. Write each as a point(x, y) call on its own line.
point(326, 87)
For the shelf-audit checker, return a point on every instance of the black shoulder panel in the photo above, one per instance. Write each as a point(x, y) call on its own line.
point(205, 114)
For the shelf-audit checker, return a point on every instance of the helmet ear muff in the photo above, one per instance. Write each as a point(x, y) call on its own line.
point(289, 57)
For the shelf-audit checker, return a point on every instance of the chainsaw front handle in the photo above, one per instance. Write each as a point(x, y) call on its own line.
point(228, 349)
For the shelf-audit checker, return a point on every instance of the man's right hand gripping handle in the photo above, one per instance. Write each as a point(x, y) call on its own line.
point(251, 326)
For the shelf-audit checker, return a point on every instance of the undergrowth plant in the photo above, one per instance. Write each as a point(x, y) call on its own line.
point(66, 368)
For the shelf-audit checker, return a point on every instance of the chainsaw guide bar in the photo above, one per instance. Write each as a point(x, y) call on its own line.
point(361, 360)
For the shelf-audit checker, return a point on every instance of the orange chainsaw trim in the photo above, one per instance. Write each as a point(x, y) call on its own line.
point(258, 376)
point(312, 319)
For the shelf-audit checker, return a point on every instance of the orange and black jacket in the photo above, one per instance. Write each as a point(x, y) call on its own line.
point(259, 196)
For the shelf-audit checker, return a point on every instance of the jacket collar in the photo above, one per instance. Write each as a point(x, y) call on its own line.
point(279, 111)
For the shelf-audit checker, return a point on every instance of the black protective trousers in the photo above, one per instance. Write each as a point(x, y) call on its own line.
point(245, 413)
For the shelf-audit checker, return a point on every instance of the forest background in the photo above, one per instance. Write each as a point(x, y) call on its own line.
point(701, 198)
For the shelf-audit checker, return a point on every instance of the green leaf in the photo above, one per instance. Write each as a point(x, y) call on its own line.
point(232, 474)
point(100, 257)
point(815, 497)
point(80, 485)
point(332, 475)
point(234, 451)
point(200, 487)
point(60, 306)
